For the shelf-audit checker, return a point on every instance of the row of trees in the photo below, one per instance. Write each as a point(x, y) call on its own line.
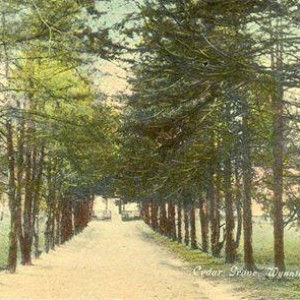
point(211, 123)
point(56, 136)
point(212, 120)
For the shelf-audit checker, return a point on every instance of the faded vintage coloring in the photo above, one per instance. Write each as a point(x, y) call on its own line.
point(149, 149)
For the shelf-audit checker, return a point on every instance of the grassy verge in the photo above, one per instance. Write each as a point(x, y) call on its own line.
point(259, 287)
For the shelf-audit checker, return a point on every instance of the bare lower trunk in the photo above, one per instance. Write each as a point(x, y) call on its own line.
point(154, 217)
point(278, 150)
point(247, 201)
point(38, 169)
point(179, 222)
point(238, 205)
point(48, 231)
point(146, 213)
point(211, 198)
point(57, 218)
point(26, 244)
point(193, 227)
point(173, 221)
point(163, 218)
point(230, 248)
point(220, 244)
point(239, 223)
point(186, 223)
point(13, 240)
point(66, 221)
point(278, 186)
point(120, 209)
point(204, 225)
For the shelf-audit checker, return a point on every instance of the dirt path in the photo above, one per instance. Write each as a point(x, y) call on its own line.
point(109, 260)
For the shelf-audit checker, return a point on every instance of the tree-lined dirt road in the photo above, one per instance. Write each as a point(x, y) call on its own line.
point(110, 260)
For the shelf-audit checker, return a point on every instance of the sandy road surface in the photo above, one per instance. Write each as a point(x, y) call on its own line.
point(109, 260)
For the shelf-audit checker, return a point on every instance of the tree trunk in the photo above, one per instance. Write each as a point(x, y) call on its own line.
point(163, 218)
point(278, 147)
point(239, 222)
point(173, 220)
point(20, 172)
point(169, 219)
point(219, 245)
point(49, 210)
point(179, 222)
point(57, 217)
point(247, 201)
point(120, 208)
point(204, 224)
point(38, 168)
point(230, 249)
point(48, 230)
point(66, 221)
point(13, 240)
point(211, 199)
point(147, 213)
point(193, 227)
point(26, 244)
point(154, 211)
point(186, 223)
point(238, 205)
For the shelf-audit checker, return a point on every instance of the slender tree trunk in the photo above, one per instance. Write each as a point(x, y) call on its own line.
point(13, 240)
point(77, 215)
point(49, 210)
point(204, 224)
point(26, 246)
point(230, 249)
point(163, 218)
point(120, 209)
point(36, 200)
point(179, 221)
point(173, 220)
point(220, 244)
point(278, 188)
point(238, 205)
point(249, 263)
point(147, 213)
point(54, 226)
point(36, 236)
point(239, 227)
point(154, 217)
point(47, 231)
point(186, 223)
point(169, 219)
point(55, 223)
point(278, 147)
point(193, 227)
point(50, 216)
point(20, 172)
point(57, 217)
point(211, 198)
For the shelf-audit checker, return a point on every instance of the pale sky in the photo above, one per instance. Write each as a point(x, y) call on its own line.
point(113, 78)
